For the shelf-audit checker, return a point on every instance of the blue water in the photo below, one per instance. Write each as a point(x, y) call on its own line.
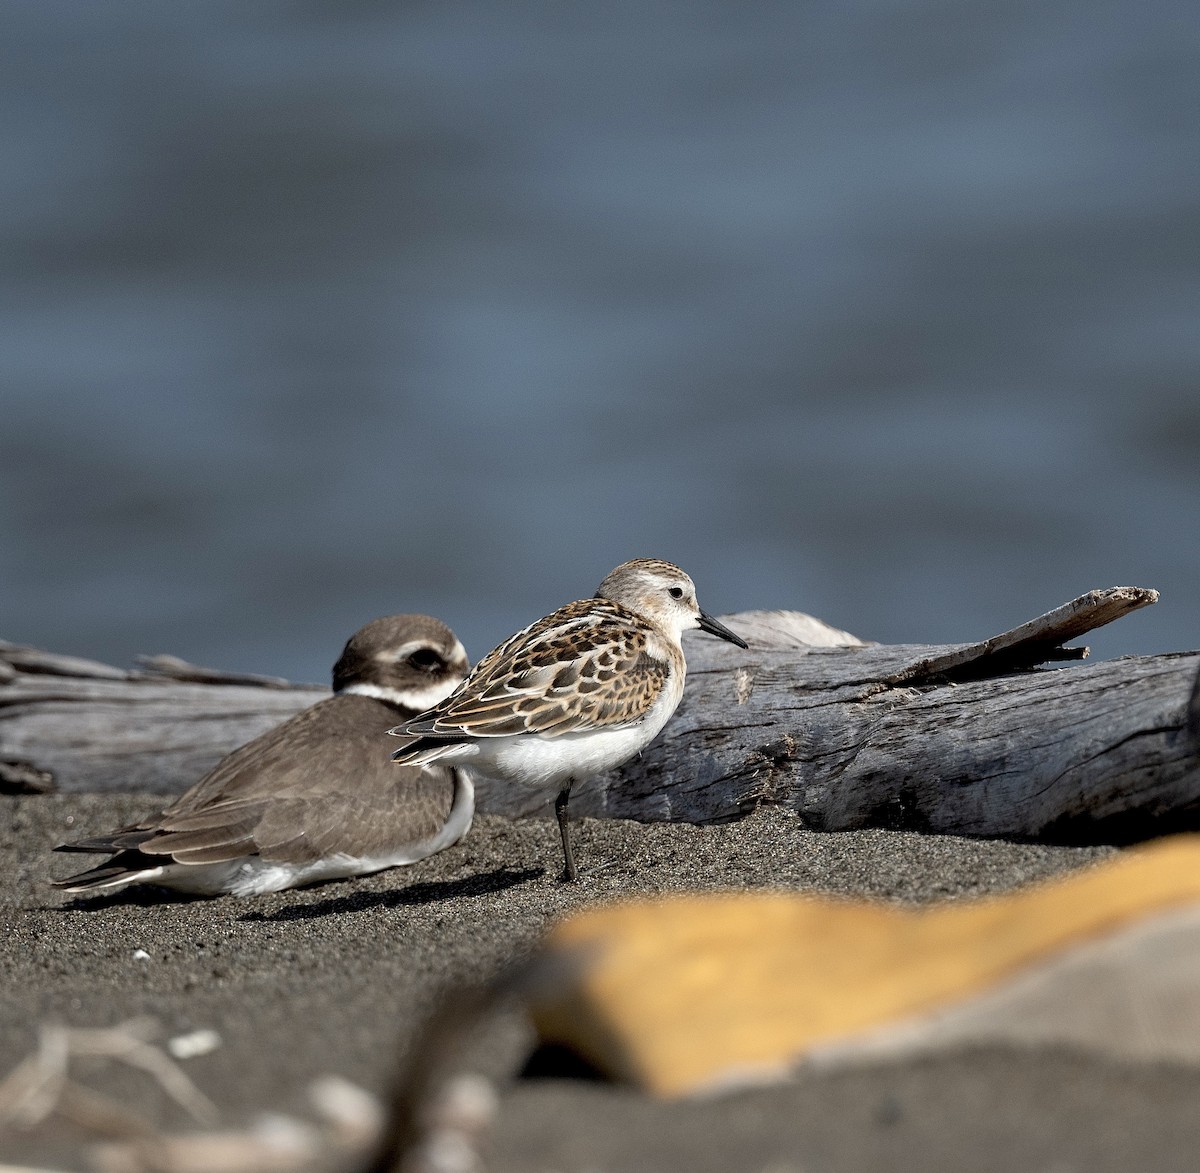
point(316, 311)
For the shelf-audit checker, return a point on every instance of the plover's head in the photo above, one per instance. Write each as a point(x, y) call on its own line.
point(409, 660)
point(664, 594)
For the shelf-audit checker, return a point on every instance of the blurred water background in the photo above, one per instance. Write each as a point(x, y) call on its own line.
point(886, 310)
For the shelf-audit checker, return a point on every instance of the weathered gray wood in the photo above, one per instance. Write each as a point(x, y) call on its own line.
point(966, 738)
point(145, 733)
point(18, 658)
point(176, 669)
point(1030, 754)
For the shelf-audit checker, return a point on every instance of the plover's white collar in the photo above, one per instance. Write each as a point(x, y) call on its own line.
point(415, 699)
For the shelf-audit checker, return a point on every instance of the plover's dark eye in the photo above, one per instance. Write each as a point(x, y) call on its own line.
point(676, 592)
point(424, 660)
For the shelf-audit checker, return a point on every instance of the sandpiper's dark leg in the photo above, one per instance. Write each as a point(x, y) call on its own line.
point(570, 875)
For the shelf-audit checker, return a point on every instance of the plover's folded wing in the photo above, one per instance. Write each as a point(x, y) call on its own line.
point(290, 798)
point(304, 828)
point(122, 839)
point(213, 835)
point(377, 823)
point(587, 666)
point(370, 823)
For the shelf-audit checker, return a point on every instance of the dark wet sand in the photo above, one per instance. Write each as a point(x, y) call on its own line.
point(333, 979)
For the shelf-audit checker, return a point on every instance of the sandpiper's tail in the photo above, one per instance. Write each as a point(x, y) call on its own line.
point(420, 751)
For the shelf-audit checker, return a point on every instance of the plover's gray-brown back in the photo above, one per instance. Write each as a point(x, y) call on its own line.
point(314, 798)
point(574, 694)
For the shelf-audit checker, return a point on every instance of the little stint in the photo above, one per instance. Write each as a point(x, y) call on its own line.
point(574, 694)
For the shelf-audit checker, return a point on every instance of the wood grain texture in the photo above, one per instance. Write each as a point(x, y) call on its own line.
point(143, 733)
point(972, 739)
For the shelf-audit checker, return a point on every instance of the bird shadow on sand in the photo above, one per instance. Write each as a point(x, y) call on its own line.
point(432, 892)
point(136, 896)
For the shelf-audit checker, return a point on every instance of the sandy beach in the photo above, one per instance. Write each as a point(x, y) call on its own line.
point(334, 979)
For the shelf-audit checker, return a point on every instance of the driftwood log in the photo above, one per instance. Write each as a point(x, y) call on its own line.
point(974, 739)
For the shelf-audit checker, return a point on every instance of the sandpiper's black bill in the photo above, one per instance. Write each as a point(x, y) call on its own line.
point(709, 624)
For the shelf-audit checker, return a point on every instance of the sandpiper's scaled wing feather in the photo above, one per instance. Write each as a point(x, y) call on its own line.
point(267, 800)
point(587, 666)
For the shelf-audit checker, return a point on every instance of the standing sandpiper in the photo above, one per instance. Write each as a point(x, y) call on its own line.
point(315, 798)
point(574, 694)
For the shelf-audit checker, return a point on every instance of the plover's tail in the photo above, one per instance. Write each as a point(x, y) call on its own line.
point(128, 868)
point(125, 865)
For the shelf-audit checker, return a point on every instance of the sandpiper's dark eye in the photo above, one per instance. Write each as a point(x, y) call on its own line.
point(676, 592)
point(425, 660)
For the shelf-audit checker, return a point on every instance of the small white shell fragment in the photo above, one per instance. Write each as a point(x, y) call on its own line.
point(141, 955)
point(196, 1042)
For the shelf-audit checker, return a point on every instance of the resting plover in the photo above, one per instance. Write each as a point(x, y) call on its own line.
point(575, 693)
point(315, 798)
